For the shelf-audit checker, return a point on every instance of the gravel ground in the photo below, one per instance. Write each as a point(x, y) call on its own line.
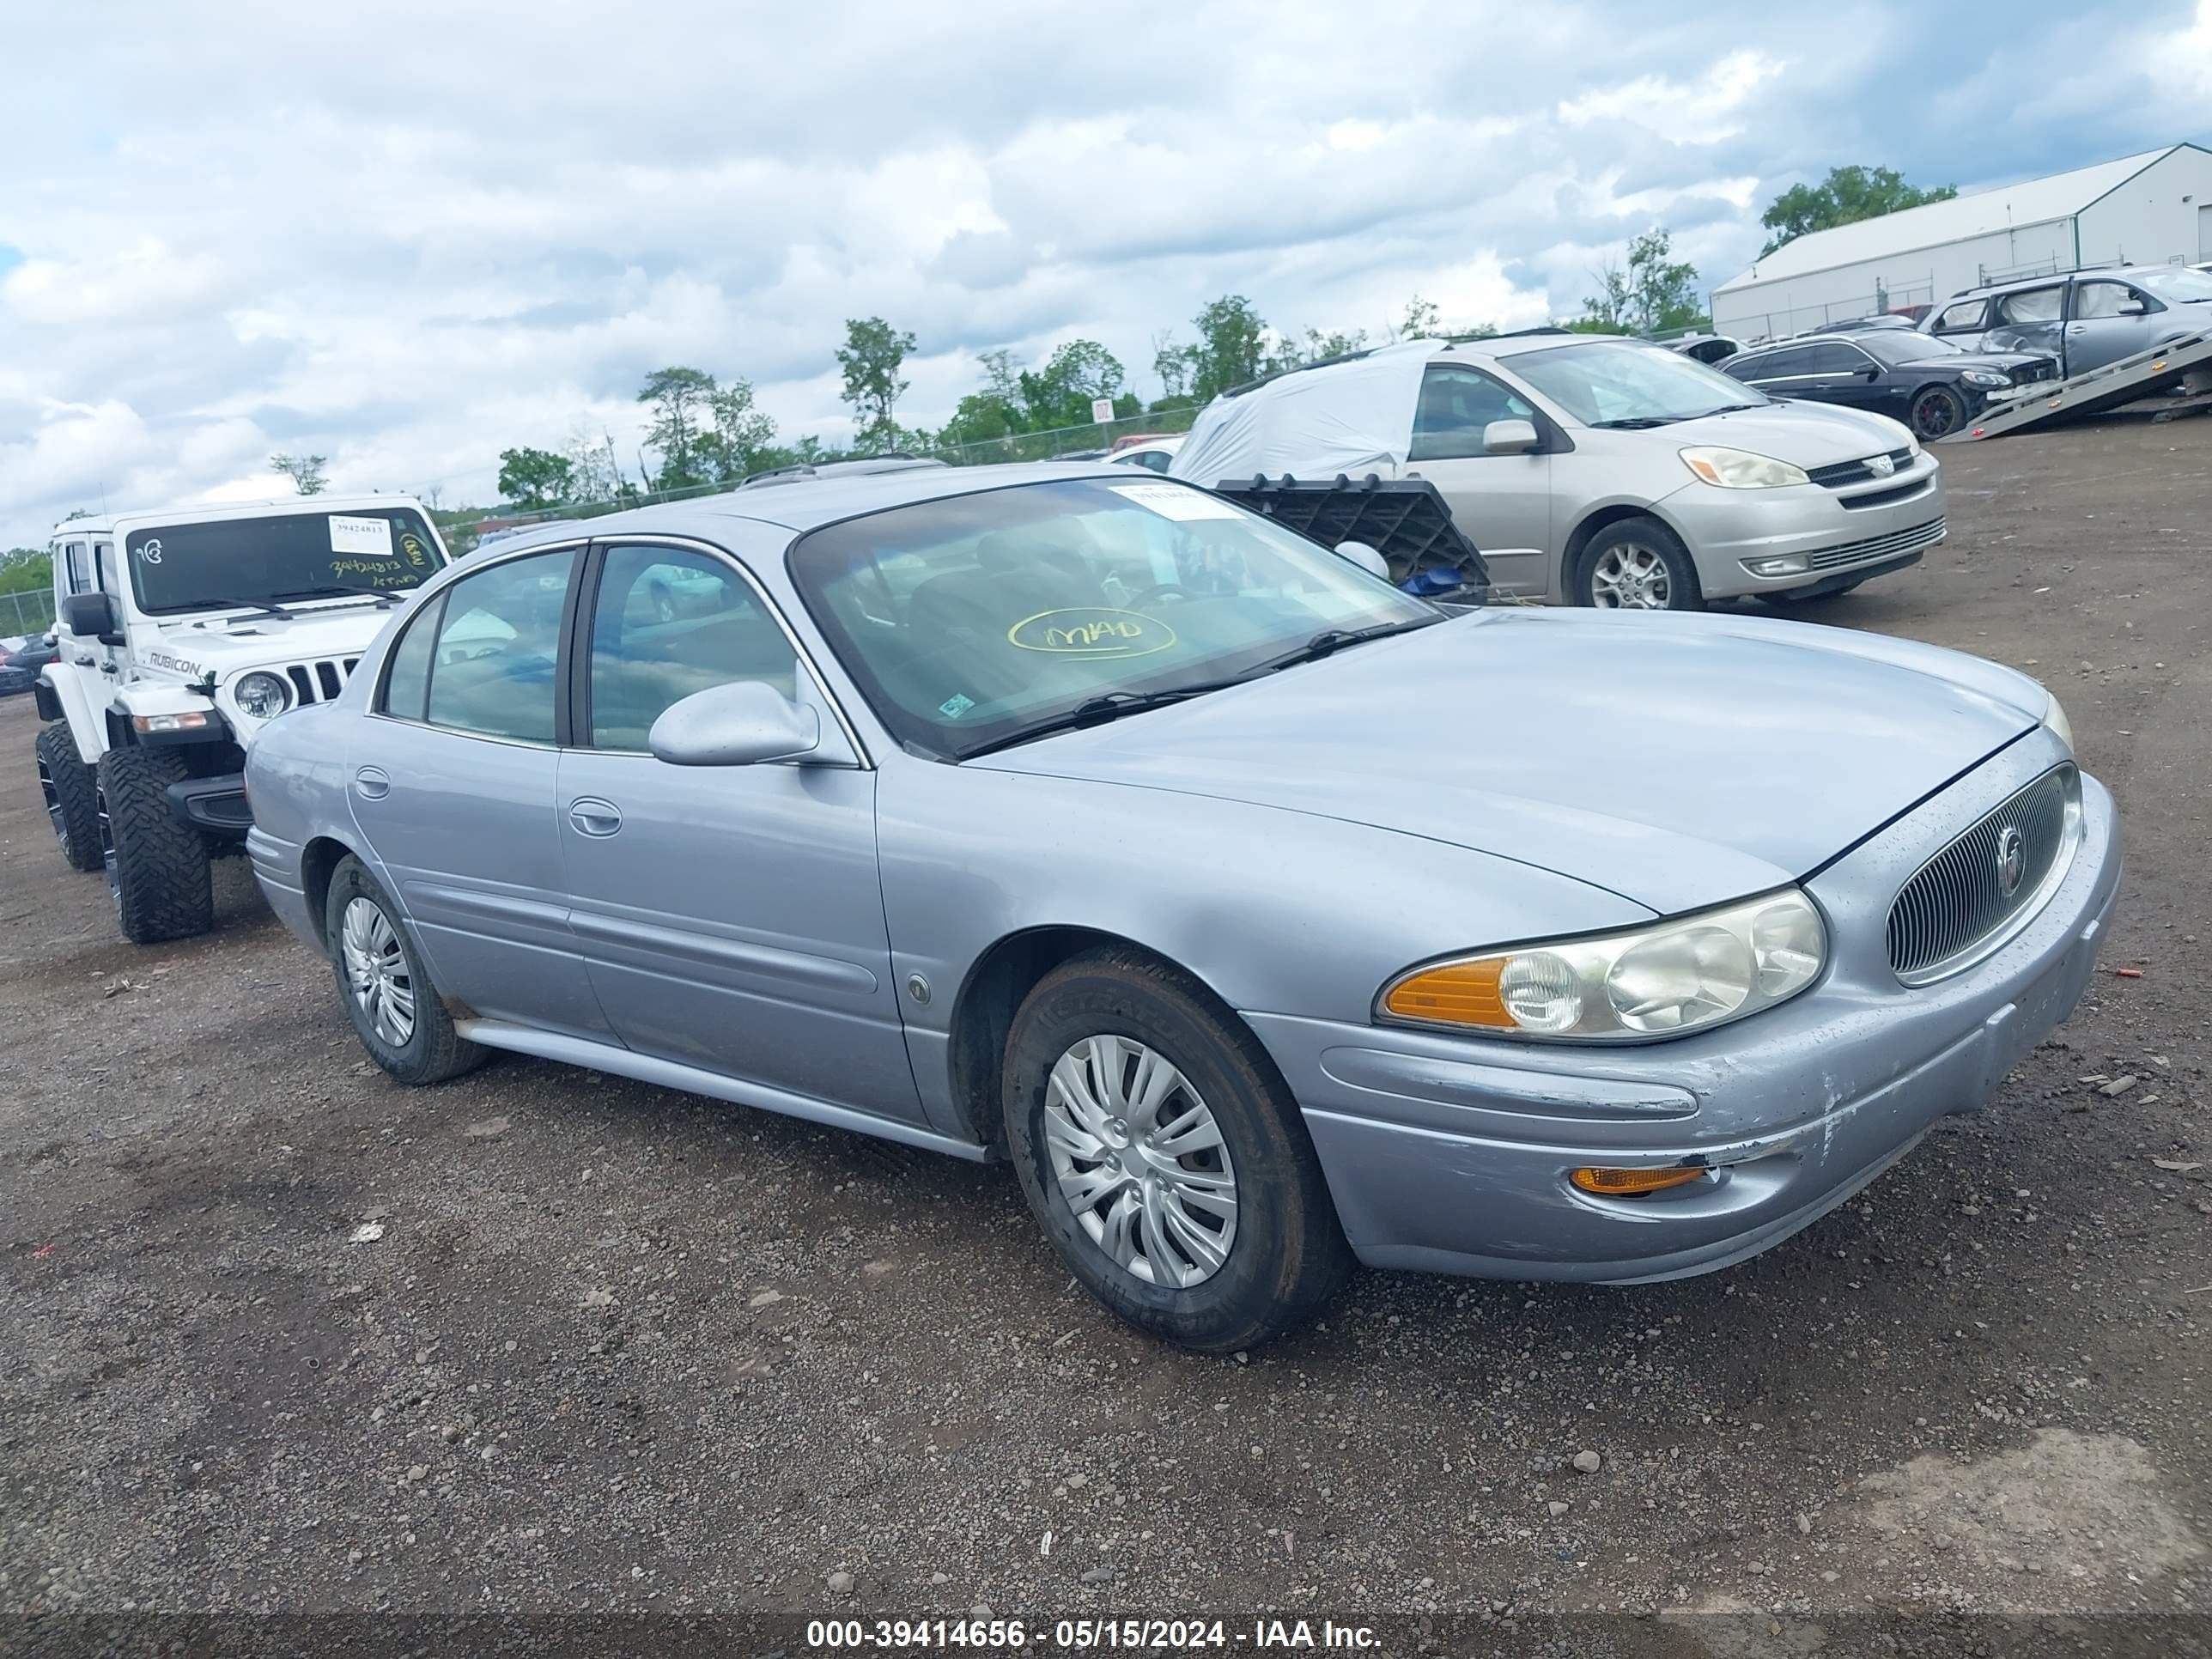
point(620, 1349)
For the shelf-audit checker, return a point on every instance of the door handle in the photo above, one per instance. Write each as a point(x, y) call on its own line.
point(2077, 328)
point(373, 783)
point(594, 816)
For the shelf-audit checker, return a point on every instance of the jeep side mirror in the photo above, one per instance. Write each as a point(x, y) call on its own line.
point(93, 616)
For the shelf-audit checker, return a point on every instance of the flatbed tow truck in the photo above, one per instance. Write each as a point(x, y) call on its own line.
point(2103, 391)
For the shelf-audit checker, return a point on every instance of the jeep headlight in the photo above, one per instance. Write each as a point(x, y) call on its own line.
point(1738, 469)
point(262, 696)
point(2055, 723)
point(1664, 980)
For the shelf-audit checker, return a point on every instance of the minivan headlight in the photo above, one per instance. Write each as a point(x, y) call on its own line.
point(262, 696)
point(1665, 980)
point(1738, 469)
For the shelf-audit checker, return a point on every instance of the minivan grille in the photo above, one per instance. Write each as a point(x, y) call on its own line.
point(1851, 472)
point(1876, 547)
point(1957, 908)
point(320, 681)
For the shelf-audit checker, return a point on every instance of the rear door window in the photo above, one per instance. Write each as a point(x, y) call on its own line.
point(495, 668)
point(1782, 365)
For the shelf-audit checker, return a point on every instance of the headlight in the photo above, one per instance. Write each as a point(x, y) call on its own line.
point(262, 696)
point(1912, 448)
point(1662, 980)
point(2055, 723)
point(1738, 469)
point(1983, 377)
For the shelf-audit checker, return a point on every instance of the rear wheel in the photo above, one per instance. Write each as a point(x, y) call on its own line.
point(1937, 412)
point(157, 869)
point(71, 792)
point(1638, 564)
point(396, 1011)
point(1164, 1158)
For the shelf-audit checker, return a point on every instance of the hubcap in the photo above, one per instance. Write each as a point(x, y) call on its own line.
point(1631, 576)
point(54, 816)
point(1140, 1161)
point(376, 971)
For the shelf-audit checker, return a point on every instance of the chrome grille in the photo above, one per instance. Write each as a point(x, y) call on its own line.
point(319, 681)
point(1961, 906)
point(1851, 472)
point(1876, 547)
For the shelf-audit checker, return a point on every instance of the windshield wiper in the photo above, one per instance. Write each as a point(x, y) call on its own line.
point(1096, 711)
point(1335, 639)
point(1725, 409)
point(337, 590)
point(1637, 423)
point(262, 605)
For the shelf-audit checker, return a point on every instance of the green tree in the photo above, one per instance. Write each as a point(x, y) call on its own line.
point(1231, 348)
point(26, 570)
point(1422, 320)
point(1654, 294)
point(536, 477)
point(1173, 364)
point(678, 398)
point(1320, 347)
point(741, 436)
point(306, 472)
point(1845, 197)
point(871, 357)
point(1061, 392)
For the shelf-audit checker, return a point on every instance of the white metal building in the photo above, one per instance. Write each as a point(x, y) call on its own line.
point(2152, 208)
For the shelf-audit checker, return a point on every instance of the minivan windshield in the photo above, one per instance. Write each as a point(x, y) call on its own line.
point(244, 563)
point(972, 621)
point(1625, 383)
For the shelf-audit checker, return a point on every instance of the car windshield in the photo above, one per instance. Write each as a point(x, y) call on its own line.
point(971, 620)
point(2178, 286)
point(1625, 383)
point(1902, 345)
point(237, 563)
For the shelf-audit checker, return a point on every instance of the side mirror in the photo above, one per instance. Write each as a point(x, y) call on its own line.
point(1869, 372)
point(93, 616)
point(1365, 557)
point(1509, 438)
point(741, 724)
point(2132, 308)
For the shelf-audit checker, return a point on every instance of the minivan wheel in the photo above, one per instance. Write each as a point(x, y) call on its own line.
point(1937, 412)
point(1638, 564)
point(395, 1009)
point(1164, 1158)
point(71, 792)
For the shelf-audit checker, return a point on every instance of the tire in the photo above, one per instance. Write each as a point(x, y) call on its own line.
point(1193, 1273)
point(1937, 412)
point(71, 791)
point(156, 868)
point(1655, 571)
point(427, 1049)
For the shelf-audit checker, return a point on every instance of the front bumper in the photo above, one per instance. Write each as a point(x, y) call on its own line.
point(1724, 528)
point(212, 806)
point(1451, 1155)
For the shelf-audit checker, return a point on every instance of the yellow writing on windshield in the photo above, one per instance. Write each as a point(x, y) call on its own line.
point(1091, 631)
point(382, 572)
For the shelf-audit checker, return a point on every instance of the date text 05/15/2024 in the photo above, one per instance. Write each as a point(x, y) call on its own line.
point(1079, 1635)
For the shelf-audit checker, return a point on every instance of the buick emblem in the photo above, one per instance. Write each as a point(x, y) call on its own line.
point(2012, 859)
point(1881, 465)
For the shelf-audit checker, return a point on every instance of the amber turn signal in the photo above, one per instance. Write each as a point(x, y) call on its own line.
point(1453, 992)
point(1632, 1183)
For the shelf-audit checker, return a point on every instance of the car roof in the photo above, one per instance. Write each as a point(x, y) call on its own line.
point(807, 504)
point(2051, 279)
point(218, 511)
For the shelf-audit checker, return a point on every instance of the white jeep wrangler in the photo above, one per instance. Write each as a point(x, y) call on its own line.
point(182, 632)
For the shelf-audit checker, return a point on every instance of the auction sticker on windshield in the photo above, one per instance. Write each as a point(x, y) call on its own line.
point(1177, 502)
point(361, 535)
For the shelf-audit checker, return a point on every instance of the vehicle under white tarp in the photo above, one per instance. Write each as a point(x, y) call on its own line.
point(1356, 418)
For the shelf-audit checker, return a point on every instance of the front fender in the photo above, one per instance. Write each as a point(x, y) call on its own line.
point(85, 712)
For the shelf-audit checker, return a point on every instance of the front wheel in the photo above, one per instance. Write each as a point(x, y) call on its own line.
point(1165, 1160)
point(157, 869)
point(395, 1009)
point(71, 792)
point(1937, 413)
point(1638, 564)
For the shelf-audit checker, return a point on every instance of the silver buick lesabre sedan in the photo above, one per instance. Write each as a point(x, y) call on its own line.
point(1263, 917)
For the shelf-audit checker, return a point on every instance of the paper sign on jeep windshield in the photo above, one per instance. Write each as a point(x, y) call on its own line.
point(297, 556)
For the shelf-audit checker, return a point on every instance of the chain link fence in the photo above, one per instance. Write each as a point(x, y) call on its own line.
point(26, 613)
point(1057, 442)
point(1754, 328)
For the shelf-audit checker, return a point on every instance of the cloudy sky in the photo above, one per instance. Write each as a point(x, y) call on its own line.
point(409, 236)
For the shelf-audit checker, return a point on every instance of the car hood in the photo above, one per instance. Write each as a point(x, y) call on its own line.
point(223, 649)
point(2004, 361)
point(1676, 761)
point(1807, 434)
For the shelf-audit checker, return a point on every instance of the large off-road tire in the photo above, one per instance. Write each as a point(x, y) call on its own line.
point(1637, 564)
point(72, 797)
point(1163, 1157)
point(385, 987)
point(156, 868)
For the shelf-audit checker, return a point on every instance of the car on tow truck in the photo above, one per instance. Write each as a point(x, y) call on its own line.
point(181, 632)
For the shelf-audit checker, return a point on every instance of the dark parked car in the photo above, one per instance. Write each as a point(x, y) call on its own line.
point(21, 661)
point(1931, 386)
point(2085, 319)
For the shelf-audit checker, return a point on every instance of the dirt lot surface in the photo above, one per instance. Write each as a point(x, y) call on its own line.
point(617, 1348)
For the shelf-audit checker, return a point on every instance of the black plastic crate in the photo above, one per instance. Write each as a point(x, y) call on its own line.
point(1404, 519)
